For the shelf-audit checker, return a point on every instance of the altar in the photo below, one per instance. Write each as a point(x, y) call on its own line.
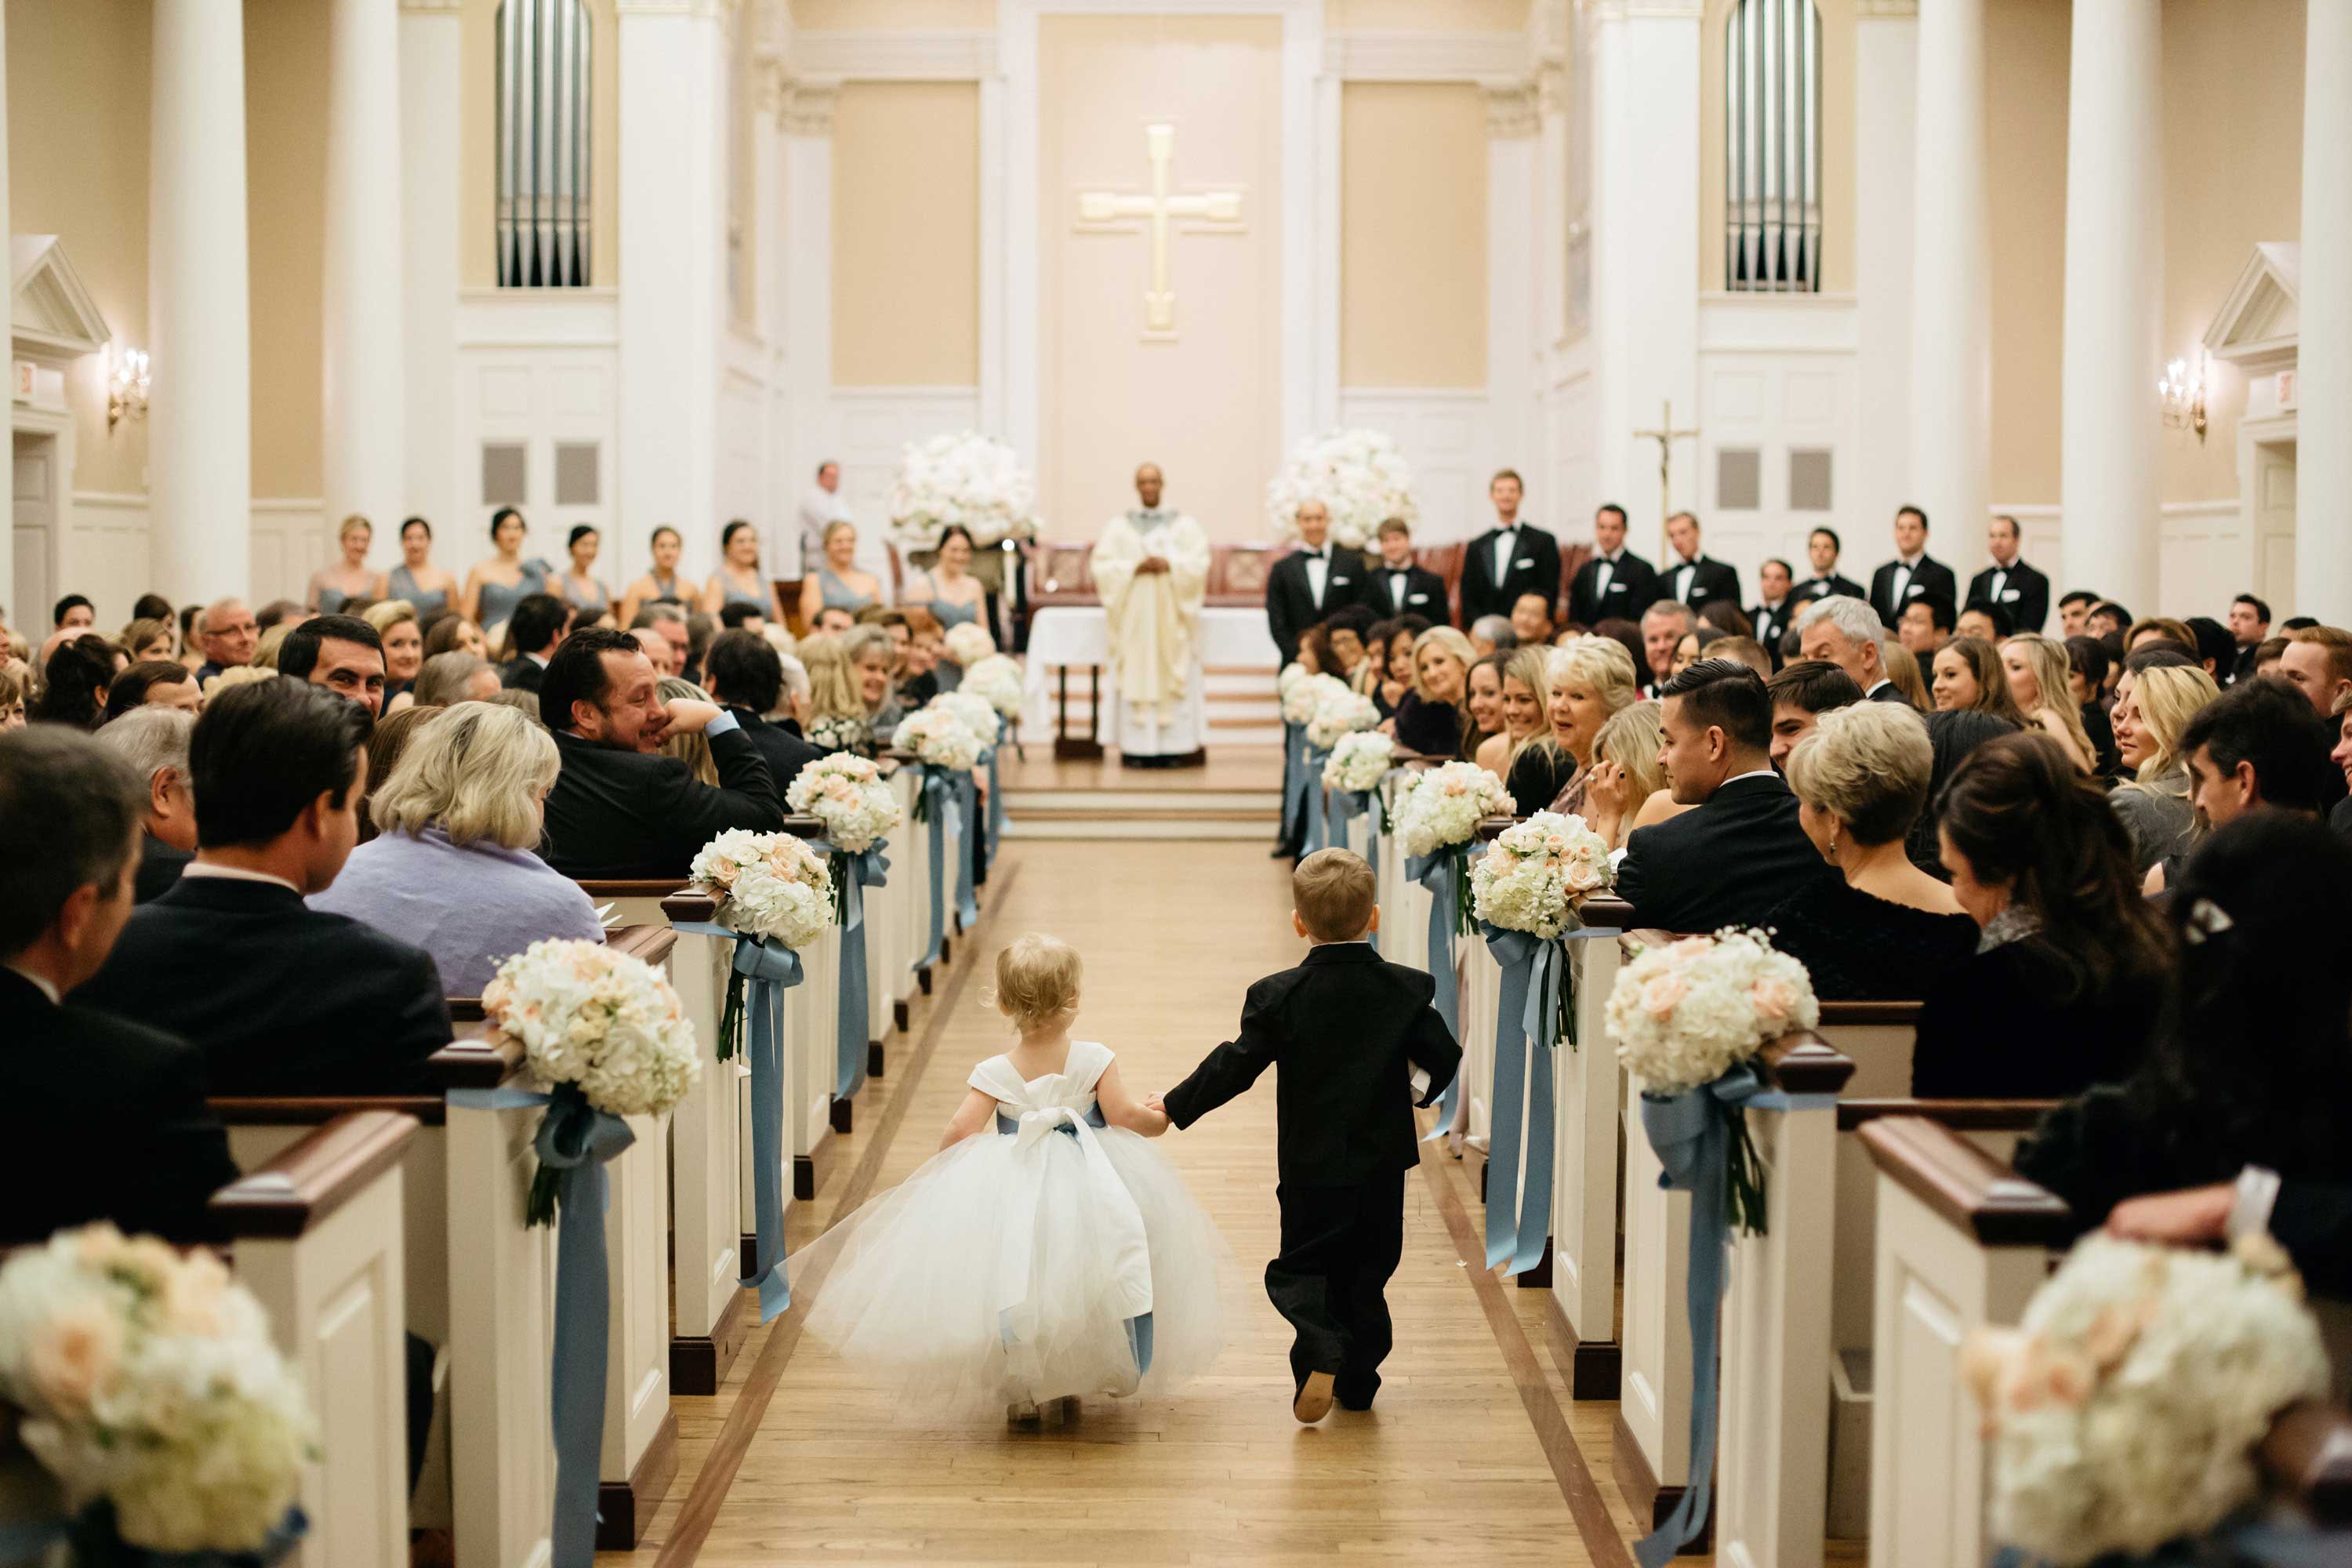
point(1235, 649)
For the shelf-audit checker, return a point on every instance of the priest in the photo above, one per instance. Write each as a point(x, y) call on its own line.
point(1152, 567)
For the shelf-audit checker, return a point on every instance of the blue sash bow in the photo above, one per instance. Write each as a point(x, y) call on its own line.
point(967, 797)
point(1438, 872)
point(1318, 835)
point(995, 790)
point(853, 874)
point(1294, 781)
point(932, 799)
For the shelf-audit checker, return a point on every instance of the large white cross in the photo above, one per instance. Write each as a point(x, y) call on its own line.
point(1099, 207)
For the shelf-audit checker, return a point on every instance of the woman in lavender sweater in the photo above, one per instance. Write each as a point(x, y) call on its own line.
point(452, 869)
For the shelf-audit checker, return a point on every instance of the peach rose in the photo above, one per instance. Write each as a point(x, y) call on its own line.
point(1774, 1000)
point(73, 1354)
point(1662, 993)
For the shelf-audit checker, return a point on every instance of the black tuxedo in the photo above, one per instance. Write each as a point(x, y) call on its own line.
point(1727, 862)
point(1424, 593)
point(1348, 1028)
point(1290, 606)
point(1770, 626)
point(109, 1122)
point(1711, 581)
point(2023, 593)
point(1829, 587)
point(1633, 588)
point(282, 999)
point(522, 674)
point(784, 752)
point(2313, 1220)
point(160, 866)
point(1533, 569)
point(1931, 580)
point(1886, 690)
point(616, 813)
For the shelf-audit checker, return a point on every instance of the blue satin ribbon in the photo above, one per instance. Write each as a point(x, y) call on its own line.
point(1691, 1133)
point(996, 789)
point(96, 1537)
point(1437, 873)
point(1294, 782)
point(1317, 834)
point(579, 1140)
point(932, 800)
point(852, 1035)
point(967, 797)
point(1534, 975)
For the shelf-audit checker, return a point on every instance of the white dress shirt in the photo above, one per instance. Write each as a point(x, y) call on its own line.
point(1319, 574)
point(1606, 574)
point(1682, 575)
point(1506, 544)
point(1904, 566)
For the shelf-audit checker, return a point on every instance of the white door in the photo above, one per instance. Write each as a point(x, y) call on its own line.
point(36, 543)
point(2273, 525)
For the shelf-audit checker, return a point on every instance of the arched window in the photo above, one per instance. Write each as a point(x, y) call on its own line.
point(542, 145)
point(1772, 136)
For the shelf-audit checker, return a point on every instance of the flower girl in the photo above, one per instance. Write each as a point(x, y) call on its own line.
point(1048, 1251)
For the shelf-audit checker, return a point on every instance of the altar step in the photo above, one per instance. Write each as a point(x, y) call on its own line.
point(1142, 813)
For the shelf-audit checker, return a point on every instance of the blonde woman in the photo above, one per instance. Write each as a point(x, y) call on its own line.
point(394, 620)
point(1593, 679)
point(1629, 786)
point(146, 640)
point(1529, 760)
point(836, 713)
point(1433, 719)
point(1902, 668)
point(348, 578)
point(452, 869)
point(689, 748)
point(264, 652)
point(2153, 708)
point(2036, 669)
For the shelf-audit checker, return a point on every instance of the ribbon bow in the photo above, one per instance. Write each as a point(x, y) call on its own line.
point(1440, 872)
point(853, 874)
point(1318, 835)
point(932, 801)
point(970, 831)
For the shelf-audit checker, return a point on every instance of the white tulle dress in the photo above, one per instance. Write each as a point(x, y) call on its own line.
point(1052, 1257)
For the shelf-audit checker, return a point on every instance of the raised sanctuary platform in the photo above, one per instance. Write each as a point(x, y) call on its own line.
point(1236, 797)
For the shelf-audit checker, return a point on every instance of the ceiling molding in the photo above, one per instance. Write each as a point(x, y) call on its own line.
point(844, 56)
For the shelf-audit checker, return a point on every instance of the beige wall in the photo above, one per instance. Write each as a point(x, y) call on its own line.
point(77, 169)
point(2233, 172)
point(477, 248)
point(906, 234)
point(1837, 145)
point(893, 16)
point(2026, 54)
point(1427, 16)
point(1413, 247)
point(286, 182)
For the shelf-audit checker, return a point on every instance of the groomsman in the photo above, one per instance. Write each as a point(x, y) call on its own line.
point(1770, 615)
point(1311, 582)
point(1690, 576)
point(1913, 573)
point(1396, 586)
point(1510, 559)
point(2009, 582)
point(1821, 554)
point(1616, 583)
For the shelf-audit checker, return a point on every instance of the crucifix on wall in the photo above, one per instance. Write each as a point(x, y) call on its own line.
point(1100, 209)
point(1665, 435)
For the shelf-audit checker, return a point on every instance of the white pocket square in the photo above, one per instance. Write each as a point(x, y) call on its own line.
point(1527, 560)
point(1416, 598)
point(1914, 588)
point(2009, 595)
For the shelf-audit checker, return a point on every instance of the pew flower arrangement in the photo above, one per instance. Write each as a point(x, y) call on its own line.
point(148, 1389)
point(845, 793)
point(771, 885)
point(941, 740)
point(1536, 872)
point(1358, 762)
point(2125, 1408)
point(838, 732)
point(971, 709)
point(1290, 675)
point(962, 478)
point(996, 679)
point(1358, 475)
point(1308, 693)
point(1438, 818)
point(970, 643)
point(1338, 713)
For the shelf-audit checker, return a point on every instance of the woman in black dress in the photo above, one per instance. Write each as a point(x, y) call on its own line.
point(1536, 767)
point(1431, 719)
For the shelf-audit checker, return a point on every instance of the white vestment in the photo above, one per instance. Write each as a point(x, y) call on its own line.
point(1155, 624)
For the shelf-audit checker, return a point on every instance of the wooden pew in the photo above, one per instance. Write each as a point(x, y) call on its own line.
point(710, 1156)
point(1588, 1143)
point(1650, 1454)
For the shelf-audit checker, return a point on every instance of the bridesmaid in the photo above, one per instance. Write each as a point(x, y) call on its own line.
point(738, 580)
point(348, 578)
point(950, 593)
point(663, 582)
point(580, 588)
point(496, 586)
point(417, 579)
point(838, 584)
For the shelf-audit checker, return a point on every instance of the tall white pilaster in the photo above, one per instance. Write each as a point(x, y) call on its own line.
point(778, 515)
point(1886, 64)
point(15, 614)
point(431, 76)
point(1514, 343)
point(2110, 433)
point(1951, 294)
point(200, 409)
point(362, 456)
point(2323, 523)
point(808, 285)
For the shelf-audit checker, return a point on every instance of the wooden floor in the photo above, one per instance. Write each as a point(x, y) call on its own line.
point(1474, 1451)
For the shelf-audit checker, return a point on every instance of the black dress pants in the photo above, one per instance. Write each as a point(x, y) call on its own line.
point(1339, 1245)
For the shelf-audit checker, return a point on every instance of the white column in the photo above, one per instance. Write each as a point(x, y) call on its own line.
point(2110, 432)
point(1885, 50)
point(200, 408)
point(808, 284)
point(2323, 528)
point(362, 456)
point(10, 611)
point(1951, 309)
point(1514, 343)
point(431, 76)
point(778, 516)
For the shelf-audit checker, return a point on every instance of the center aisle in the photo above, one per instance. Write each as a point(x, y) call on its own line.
point(1449, 1462)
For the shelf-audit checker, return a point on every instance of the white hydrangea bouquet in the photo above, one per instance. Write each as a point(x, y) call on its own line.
point(995, 679)
point(771, 886)
point(1308, 693)
point(602, 1028)
point(1536, 872)
point(838, 732)
point(845, 793)
point(969, 643)
point(2125, 1409)
point(1358, 475)
point(1439, 817)
point(1290, 675)
point(1358, 762)
point(146, 1386)
point(971, 709)
point(940, 738)
point(962, 478)
point(1338, 713)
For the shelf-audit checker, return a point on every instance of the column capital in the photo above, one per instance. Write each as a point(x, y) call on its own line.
point(1898, 10)
point(806, 106)
point(1511, 110)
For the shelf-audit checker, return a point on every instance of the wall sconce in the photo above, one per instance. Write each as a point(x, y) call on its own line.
point(2183, 396)
point(126, 391)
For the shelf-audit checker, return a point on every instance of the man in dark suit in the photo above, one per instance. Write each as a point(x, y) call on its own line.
point(1741, 853)
point(534, 630)
point(1770, 615)
point(1913, 573)
point(1845, 632)
point(154, 742)
point(1691, 577)
point(1510, 559)
point(2249, 625)
point(100, 1117)
point(1616, 583)
point(2009, 582)
point(1360, 1046)
point(620, 808)
point(1821, 548)
point(341, 653)
point(747, 680)
point(1396, 586)
point(281, 998)
point(1311, 582)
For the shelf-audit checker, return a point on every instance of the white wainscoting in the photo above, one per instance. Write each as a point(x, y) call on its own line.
point(1447, 436)
point(1776, 375)
point(290, 540)
point(2203, 557)
point(102, 555)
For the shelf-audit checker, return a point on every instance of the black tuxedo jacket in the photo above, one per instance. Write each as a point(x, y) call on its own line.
point(1533, 569)
point(160, 866)
point(1347, 1027)
point(523, 674)
point(1633, 588)
point(2313, 1220)
point(1290, 606)
point(1819, 588)
point(1728, 862)
point(1711, 581)
point(615, 815)
point(1424, 595)
point(1887, 691)
point(2024, 593)
point(1771, 627)
point(1931, 579)
point(282, 999)
point(784, 752)
point(102, 1119)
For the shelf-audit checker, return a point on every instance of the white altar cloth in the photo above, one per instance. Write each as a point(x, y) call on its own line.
point(1079, 635)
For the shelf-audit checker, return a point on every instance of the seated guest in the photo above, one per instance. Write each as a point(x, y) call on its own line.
point(2063, 986)
point(2317, 661)
point(747, 680)
point(873, 657)
point(617, 809)
point(387, 744)
point(146, 640)
point(453, 632)
point(229, 634)
point(2086, 680)
point(926, 672)
point(2160, 629)
point(154, 742)
point(109, 1120)
point(12, 697)
point(1986, 623)
point(1951, 736)
point(1491, 635)
point(1883, 928)
point(2216, 650)
point(154, 682)
point(523, 703)
point(1693, 646)
point(75, 683)
point(1483, 703)
point(1742, 852)
point(1530, 619)
point(667, 658)
point(1663, 626)
point(1388, 693)
point(395, 622)
point(1969, 677)
point(2038, 671)
point(1628, 787)
point(836, 712)
point(2247, 1066)
point(341, 653)
point(1747, 650)
point(1344, 630)
point(449, 678)
point(1801, 694)
point(1593, 679)
point(282, 999)
point(1526, 756)
point(1846, 632)
point(2255, 746)
point(2152, 711)
point(532, 632)
point(686, 745)
point(277, 613)
point(452, 869)
point(1430, 719)
point(1903, 676)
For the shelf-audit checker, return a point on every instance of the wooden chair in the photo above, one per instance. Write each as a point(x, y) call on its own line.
point(1238, 574)
point(1061, 573)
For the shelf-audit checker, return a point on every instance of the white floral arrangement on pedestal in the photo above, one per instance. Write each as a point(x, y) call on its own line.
point(1685, 1014)
point(1534, 874)
point(2125, 1409)
point(1359, 761)
point(940, 739)
point(1288, 677)
point(838, 732)
point(1308, 693)
point(973, 711)
point(1339, 714)
point(149, 1388)
point(845, 793)
point(1444, 806)
point(1358, 475)
point(996, 679)
point(772, 886)
point(970, 642)
point(964, 478)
